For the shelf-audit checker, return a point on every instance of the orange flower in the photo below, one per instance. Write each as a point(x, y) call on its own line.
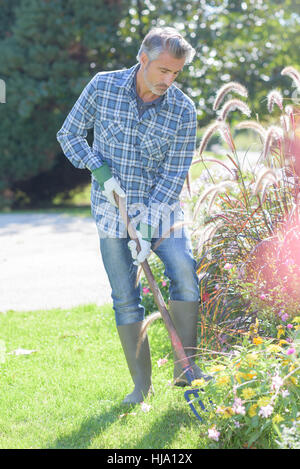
point(257, 340)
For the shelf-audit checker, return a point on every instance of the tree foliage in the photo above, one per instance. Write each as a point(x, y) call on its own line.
point(46, 59)
point(51, 49)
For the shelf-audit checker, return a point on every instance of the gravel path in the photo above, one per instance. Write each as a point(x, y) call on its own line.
point(50, 261)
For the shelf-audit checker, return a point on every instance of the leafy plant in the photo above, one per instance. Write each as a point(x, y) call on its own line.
point(254, 395)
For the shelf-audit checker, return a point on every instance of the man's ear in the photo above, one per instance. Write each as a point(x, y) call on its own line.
point(144, 59)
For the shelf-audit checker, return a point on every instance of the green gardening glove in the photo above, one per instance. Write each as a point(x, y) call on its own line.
point(108, 184)
point(146, 231)
point(102, 174)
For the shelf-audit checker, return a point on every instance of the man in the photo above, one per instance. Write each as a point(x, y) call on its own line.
point(144, 140)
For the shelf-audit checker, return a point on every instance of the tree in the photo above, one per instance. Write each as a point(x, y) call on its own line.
point(47, 57)
point(50, 50)
point(249, 42)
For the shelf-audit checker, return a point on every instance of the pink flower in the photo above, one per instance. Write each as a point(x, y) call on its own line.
point(289, 326)
point(161, 362)
point(213, 433)
point(205, 296)
point(262, 296)
point(164, 283)
point(146, 290)
point(284, 317)
point(228, 266)
point(277, 382)
point(237, 407)
point(266, 411)
point(290, 351)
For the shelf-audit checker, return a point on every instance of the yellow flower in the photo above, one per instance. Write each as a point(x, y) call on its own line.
point(257, 340)
point(239, 376)
point(199, 382)
point(263, 401)
point(274, 348)
point(293, 379)
point(252, 410)
point(247, 393)
point(226, 412)
point(296, 319)
point(285, 362)
point(277, 418)
point(223, 380)
point(280, 331)
point(251, 358)
point(282, 342)
point(215, 369)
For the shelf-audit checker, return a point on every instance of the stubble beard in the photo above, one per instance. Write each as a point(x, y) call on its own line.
point(152, 88)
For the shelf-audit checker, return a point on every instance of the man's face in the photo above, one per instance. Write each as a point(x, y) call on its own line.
point(160, 73)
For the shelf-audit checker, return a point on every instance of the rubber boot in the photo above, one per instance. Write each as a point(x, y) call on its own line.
point(184, 315)
point(138, 365)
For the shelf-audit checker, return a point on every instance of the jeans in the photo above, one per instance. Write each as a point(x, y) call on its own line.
point(180, 267)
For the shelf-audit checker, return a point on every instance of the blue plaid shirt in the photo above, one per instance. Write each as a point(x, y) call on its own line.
point(149, 155)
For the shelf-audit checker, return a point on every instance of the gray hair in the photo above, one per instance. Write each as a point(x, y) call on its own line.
point(168, 39)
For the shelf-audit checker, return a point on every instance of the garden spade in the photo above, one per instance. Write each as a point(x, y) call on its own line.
point(190, 395)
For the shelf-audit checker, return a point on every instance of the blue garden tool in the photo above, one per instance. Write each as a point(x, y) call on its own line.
point(175, 340)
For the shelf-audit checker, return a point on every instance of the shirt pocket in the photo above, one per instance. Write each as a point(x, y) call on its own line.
point(112, 132)
point(153, 150)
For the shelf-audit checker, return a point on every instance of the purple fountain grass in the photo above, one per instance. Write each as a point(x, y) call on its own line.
point(253, 125)
point(218, 126)
point(273, 133)
point(227, 88)
point(266, 176)
point(274, 97)
point(233, 105)
point(293, 74)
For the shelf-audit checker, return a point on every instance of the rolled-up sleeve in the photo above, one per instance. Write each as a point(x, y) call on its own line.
point(73, 133)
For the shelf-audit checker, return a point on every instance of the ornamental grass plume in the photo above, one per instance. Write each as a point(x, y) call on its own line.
point(274, 97)
point(290, 112)
point(266, 176)
point(253, 125)
point(214, 191)
point(233, 105)
point(293, 74)
point(274, 132)
point(217, 126)
point(227, 88)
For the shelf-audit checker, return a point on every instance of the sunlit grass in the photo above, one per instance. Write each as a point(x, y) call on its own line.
point(68, 392)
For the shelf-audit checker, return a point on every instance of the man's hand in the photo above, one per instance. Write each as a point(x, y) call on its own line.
point(108, 184)
point(144, 252)
point(111, 186)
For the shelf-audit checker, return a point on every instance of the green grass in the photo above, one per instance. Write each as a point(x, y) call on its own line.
point(72, 211)
point(68, 393)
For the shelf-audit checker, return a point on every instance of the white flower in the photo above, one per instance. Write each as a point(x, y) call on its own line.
point(238, 408)
point(213, 433)
point(145, 407)
point(277, 382)
point(266, 411)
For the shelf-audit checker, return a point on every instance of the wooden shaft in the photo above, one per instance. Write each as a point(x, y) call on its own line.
point(176, 342)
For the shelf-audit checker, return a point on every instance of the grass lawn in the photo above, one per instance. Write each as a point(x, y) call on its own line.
point(68, 393)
